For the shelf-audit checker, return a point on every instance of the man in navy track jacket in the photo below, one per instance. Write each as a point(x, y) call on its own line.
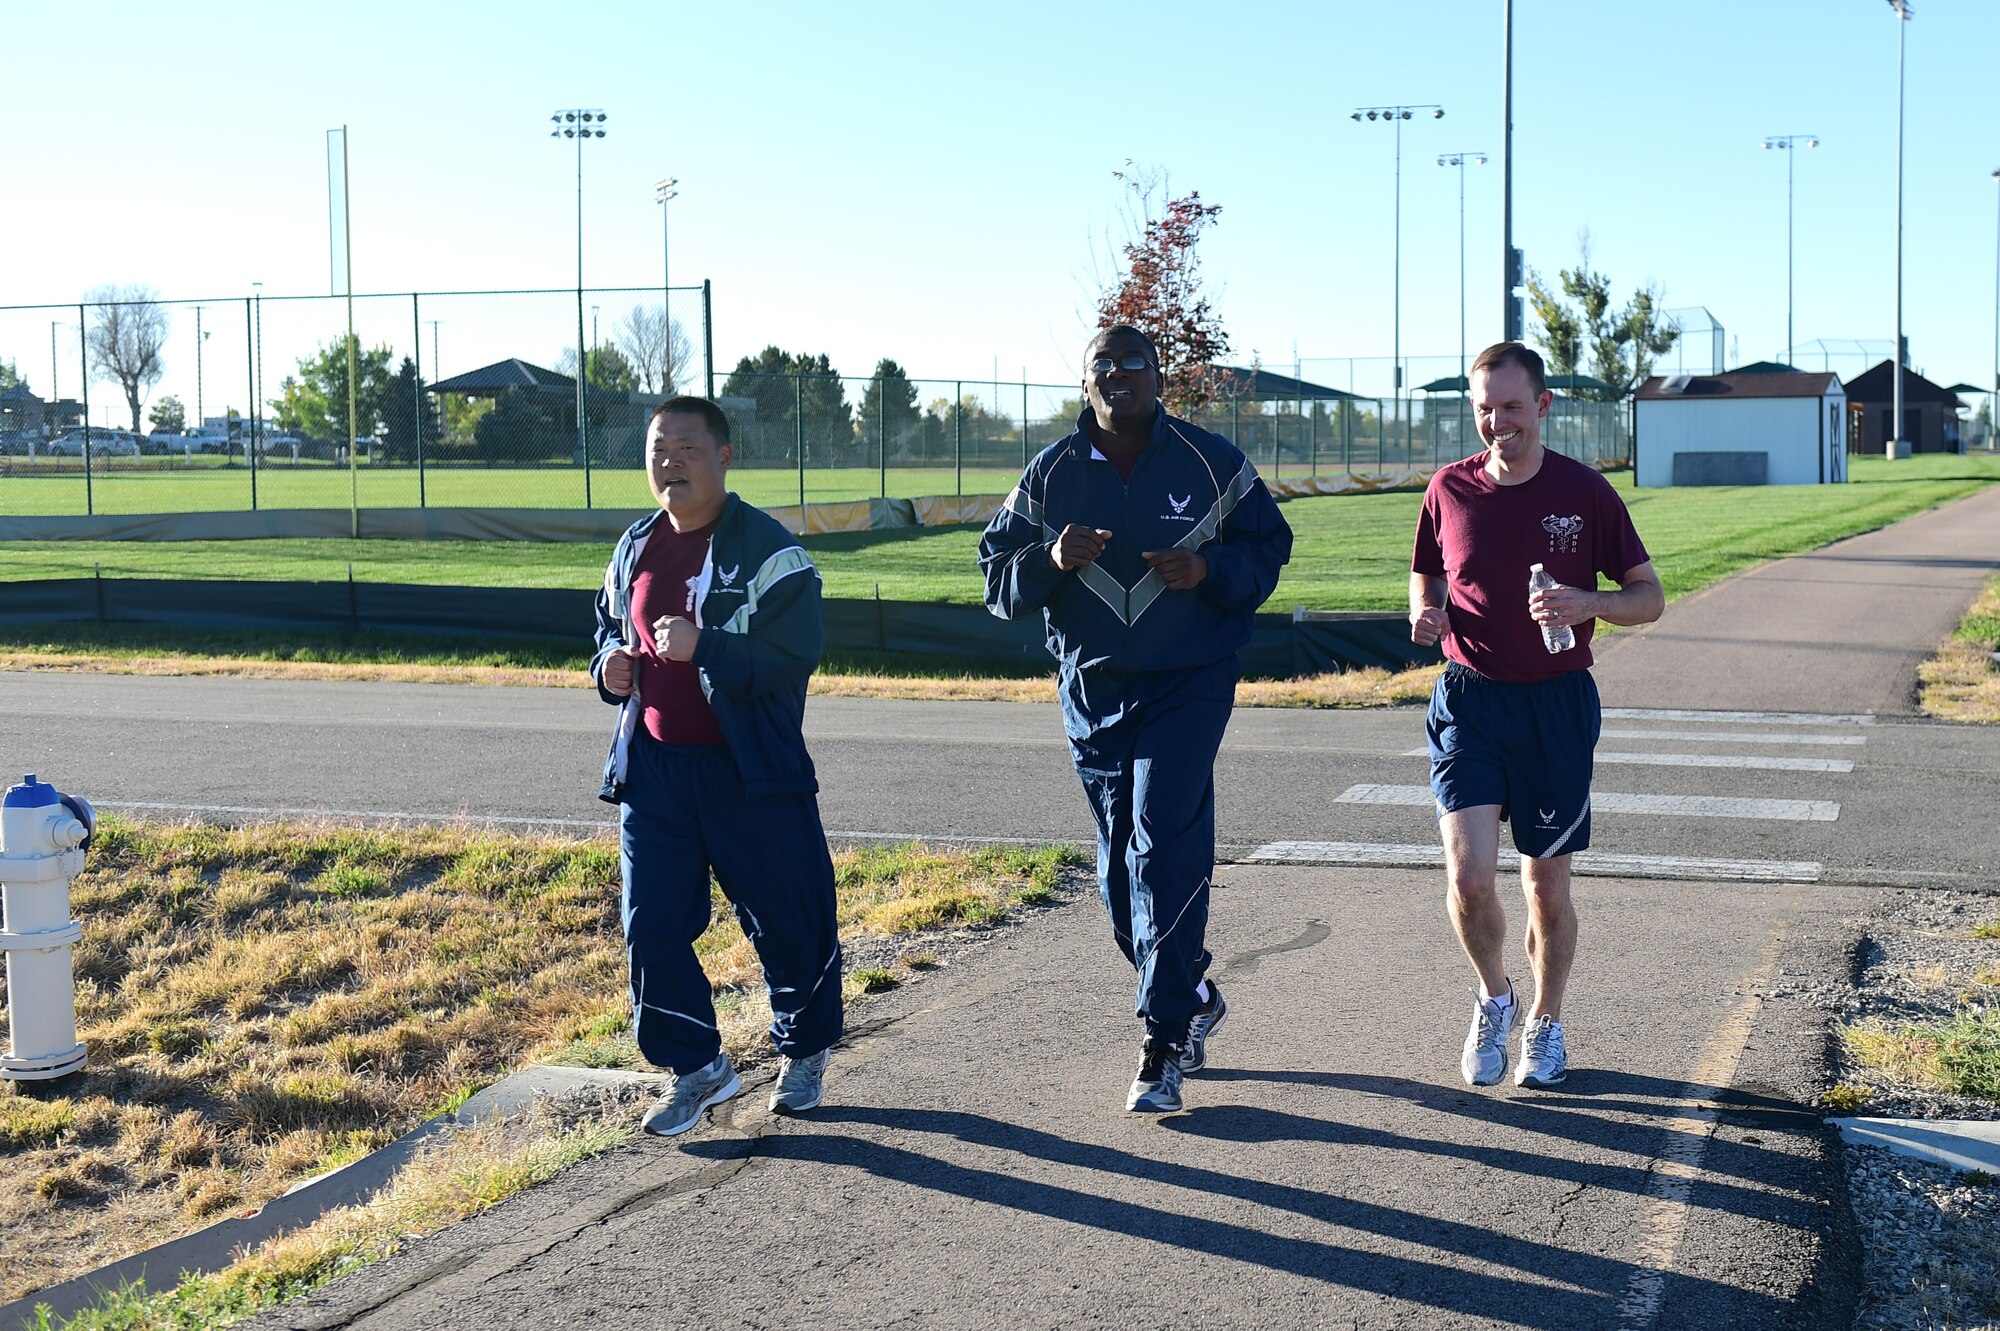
point(1147, 545)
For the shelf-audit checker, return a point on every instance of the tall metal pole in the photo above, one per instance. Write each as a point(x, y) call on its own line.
point(580, 124)
point(83, 350)
point(353, 429)
point(663, 191)
point(1790, 144)
point(256, 390)
point(1398, 114)
point(1895, 445)
point(708, 336)
point(198, 336)
point(55, 392)
point(1993, 402)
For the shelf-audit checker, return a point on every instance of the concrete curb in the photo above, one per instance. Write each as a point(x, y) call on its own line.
point(215, 1248)
point(1963, 1144)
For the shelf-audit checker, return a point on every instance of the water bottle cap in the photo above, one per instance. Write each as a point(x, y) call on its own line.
point(1534, 568)
point(30, 794)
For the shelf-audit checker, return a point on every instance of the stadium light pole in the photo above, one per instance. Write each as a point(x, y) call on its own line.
point(1895, 445)
point(1790, 143)
point(1397, 115)
point(1459, 159)
point(199, 338)
point(1993, 402)
point(663, 191)
point(578, 124)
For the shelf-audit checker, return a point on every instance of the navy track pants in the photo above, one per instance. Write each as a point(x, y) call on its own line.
point(1150, 777)
point(685, 813)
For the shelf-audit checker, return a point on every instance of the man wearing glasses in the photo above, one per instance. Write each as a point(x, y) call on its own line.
point(1147, 544)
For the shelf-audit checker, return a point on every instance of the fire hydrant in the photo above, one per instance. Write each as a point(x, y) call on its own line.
point(43, 834)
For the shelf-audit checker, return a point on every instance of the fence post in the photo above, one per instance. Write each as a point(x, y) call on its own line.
point(250, 378)
point(958, 437)
point(799, 438)
point(1313, 435)
point(707, 337)
point(417, 393)
point(83, 346)
point(882, 429)
point(1024, 425)
point(256, 392)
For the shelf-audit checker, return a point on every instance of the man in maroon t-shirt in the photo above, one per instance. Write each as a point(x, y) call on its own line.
point(1514, 719)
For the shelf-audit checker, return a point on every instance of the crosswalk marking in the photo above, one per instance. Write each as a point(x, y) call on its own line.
point(1733, 737)
point(1734, 760)
point(1670, 806)
point(1739, 718)
point(1362, 854)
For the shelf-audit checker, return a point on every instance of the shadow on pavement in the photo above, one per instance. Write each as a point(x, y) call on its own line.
point(1558, 1286)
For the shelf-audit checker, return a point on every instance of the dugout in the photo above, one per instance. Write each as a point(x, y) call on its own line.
point(1930, 412)
point(1747, 427)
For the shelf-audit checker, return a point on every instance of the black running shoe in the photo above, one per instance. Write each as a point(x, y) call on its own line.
point(1194, 1055)
point(1157, 1088)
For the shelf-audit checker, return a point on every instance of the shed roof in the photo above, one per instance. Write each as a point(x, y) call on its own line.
point(1573, 382)
point(1740, 384)
point(501, 375)
point(1263, 385)
point(1875, 385)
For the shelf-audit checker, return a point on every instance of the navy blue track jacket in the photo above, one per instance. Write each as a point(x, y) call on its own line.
point(1189, 488)
point(758, 605)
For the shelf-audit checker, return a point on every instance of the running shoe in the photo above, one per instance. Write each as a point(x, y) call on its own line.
point(798, 1086)
point(1157, 1088)
point(1194, 1054)
point(681, 1108)
point(1544, 1061)
point(1485, 1058)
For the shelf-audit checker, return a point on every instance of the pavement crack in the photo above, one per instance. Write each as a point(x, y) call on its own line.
point(1556, 1208)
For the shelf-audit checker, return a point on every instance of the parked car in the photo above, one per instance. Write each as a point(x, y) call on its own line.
point(103, 444)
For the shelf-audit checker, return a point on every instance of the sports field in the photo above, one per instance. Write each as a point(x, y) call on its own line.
point(144, 485)
point(1351, 552)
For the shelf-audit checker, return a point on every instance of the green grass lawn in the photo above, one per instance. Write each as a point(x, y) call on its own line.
point(133, 485)
point(1351, 553)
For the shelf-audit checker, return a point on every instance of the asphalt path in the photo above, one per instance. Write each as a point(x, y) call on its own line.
point(1907, 812)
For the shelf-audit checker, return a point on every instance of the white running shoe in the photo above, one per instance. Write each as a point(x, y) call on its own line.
point(1485, 1059)
point(682, 1107)
point(1544, 1061)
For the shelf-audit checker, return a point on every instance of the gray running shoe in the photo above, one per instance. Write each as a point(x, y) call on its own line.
point(1157, 1088)
point(681, 1108)
point(798, 1086)
point(1544, 1061)
point(1194, 1054)
point(1485, 1059)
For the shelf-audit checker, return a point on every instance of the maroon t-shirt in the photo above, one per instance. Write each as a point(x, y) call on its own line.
point(673, 709)
point(1481, 537)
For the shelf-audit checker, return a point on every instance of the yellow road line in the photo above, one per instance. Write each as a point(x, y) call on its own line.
point(1663, 1216)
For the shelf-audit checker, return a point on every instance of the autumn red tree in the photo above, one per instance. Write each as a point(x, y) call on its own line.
point(1161, 294)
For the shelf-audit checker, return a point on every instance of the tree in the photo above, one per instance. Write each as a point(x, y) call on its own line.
point(516, 430)
point(779, 383)
point(1623, 343)
point(889, 413)
point(123, 336)
point(1161, 293)
point(659, 359)
point(168, 414)
point(313, 403)
point(405, 413)
point(10, 377)
point(611, 372)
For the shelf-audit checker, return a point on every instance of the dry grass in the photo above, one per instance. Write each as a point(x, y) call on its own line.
point(263, 1003)
point(465, 1173)
point(1959, 1055)
point(1355, 688)
point(1961, 683)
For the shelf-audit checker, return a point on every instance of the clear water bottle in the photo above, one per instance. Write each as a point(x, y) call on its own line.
point(1555, 637)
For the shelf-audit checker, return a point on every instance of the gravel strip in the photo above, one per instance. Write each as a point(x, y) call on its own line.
point(1930, 1235)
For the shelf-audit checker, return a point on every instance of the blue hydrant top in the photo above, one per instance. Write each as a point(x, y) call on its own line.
point(30, 794)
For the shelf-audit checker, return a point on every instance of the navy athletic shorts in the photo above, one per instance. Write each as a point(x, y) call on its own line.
point(1524, 747)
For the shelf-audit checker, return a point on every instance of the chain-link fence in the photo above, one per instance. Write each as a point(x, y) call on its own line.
point(469, 400)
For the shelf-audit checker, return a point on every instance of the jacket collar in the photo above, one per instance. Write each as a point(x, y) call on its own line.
point(1083, 445)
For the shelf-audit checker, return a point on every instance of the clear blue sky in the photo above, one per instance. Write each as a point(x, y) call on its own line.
point(931, 182)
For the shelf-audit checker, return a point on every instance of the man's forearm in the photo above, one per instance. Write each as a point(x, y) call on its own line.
point(1426, 592)
point(1634, 603)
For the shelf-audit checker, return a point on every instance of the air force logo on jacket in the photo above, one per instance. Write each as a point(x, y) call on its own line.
point(1189, 489)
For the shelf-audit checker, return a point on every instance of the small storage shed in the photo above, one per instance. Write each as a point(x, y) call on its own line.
point(1742, 428)
point(1930, 411)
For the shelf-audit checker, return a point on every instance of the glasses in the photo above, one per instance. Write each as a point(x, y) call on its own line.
point(1105, 365)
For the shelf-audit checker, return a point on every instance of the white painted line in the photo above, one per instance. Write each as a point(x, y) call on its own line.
point(1736, 760)
point(1728, 737)
point(1665, 806)
point(1707, 760)
point(952, 839)
point(386, 815)
point(1740, 718)
point(1361, 854)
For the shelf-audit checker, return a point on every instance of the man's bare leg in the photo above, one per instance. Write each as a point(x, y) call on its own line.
point(1472, 862)
point(1551, 930)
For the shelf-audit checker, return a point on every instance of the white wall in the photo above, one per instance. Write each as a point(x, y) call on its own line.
point(1788, 429)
